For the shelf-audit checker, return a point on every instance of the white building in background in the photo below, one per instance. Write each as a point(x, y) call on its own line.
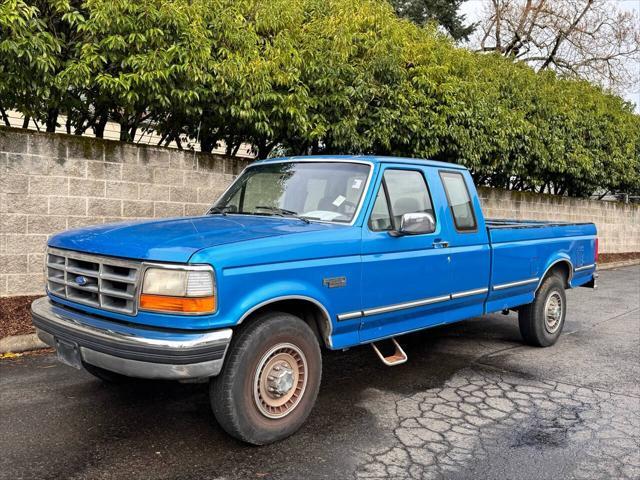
point(112, 132)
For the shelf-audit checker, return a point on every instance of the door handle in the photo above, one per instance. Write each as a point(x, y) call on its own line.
point(440, 244)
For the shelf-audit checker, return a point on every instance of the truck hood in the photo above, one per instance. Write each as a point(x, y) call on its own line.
point(177, 239)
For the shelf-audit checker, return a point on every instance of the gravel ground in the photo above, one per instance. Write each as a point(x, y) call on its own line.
point(472, 402)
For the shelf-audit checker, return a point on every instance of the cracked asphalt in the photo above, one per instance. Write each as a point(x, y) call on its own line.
point(472, 402)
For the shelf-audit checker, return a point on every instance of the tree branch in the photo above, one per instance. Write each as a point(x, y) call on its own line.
point(564, 33)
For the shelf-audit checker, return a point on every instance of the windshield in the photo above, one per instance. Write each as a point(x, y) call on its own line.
point(328, 191)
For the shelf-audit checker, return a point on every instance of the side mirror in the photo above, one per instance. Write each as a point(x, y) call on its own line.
point(416, 223)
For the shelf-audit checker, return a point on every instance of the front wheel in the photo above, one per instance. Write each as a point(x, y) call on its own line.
point(270, 379)
point(542, 320)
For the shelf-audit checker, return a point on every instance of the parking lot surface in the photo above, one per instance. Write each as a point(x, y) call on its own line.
point(472, 402)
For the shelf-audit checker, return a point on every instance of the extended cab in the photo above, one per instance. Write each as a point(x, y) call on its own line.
point(299, 254)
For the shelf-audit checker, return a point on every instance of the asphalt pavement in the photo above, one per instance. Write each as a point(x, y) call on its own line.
point(472, 402)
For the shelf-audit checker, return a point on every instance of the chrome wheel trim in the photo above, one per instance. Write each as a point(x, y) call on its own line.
point(553, 309)
point(270, 401)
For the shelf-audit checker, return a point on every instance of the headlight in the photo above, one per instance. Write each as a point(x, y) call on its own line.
point(183, 290)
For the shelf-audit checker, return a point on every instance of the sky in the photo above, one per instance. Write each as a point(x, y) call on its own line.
point(472, 9)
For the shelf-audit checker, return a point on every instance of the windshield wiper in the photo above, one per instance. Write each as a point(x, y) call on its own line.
point(282, 212)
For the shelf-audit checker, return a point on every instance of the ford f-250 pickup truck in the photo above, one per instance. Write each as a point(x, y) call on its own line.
point(297, 255)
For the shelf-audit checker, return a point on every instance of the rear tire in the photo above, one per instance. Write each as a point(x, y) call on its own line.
point(541, 321)
point(270, 379)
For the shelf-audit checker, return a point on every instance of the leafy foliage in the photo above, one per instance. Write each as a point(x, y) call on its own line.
point(440, 12)
point(312, 76)
point(29, 56)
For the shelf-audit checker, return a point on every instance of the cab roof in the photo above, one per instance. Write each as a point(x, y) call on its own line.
point(365, 158)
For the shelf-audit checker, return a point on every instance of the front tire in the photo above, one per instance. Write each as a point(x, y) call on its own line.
point(270, 379)
point(541, 321)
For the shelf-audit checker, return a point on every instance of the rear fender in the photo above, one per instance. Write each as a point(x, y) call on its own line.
point(556, 260)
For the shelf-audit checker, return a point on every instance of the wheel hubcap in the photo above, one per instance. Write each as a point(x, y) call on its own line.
point(553, 312)
point(280, 380)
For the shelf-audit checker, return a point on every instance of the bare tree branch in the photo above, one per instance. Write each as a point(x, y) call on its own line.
point(590, 39)
point(563, 34)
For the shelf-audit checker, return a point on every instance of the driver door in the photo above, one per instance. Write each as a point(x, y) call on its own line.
point(405, 279)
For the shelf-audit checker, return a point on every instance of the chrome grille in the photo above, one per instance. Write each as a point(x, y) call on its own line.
point(94, 280)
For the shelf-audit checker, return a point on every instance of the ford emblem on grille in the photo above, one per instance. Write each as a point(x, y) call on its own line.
point(81, 280)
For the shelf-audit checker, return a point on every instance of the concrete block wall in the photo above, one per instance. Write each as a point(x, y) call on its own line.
point(618, 223)
point(53, 182)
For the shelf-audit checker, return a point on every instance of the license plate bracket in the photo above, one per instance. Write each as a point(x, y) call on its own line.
point(69, 353)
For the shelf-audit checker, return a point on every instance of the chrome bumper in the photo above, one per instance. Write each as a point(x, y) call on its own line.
point(133, 351)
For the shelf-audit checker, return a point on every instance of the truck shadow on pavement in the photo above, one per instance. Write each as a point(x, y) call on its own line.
point(166, 422)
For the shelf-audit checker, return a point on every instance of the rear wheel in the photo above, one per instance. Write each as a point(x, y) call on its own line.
point(270, 379)
point(541, 321)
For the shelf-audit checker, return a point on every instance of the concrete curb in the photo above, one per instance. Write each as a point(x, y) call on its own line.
point(21, 343)
point(623, 263)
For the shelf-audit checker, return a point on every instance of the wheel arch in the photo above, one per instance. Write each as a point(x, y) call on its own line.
point(562, 265)
point(307, 308)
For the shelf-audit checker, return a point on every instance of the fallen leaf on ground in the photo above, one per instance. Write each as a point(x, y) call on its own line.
point(10, 355)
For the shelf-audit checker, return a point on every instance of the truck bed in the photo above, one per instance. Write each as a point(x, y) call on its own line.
point(523, 250)
point(507, 230)
point(494, 223)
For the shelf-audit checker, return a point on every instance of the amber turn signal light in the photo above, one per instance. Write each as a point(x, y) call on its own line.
point(163, 303)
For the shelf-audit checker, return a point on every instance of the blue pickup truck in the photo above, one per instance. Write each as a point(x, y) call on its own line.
point(301, 254)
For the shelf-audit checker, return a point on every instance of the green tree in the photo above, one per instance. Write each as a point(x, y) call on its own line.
point(139, 58)
point(60, 18)
point(441, 12)
point(29, 56)
point(312, 76)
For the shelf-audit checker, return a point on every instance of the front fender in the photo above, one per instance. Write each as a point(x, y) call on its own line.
point(252, 300)
point(280, 290)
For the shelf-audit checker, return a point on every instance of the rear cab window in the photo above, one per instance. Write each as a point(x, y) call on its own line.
point(400, 192)
point(459, 200)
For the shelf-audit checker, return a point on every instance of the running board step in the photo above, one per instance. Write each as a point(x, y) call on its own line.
point(398, 357)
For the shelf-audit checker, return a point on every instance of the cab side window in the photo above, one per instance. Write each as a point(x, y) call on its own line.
point(459, 201)
point(401, 191)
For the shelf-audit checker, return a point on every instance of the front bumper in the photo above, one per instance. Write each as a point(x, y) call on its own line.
point(134, 351)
